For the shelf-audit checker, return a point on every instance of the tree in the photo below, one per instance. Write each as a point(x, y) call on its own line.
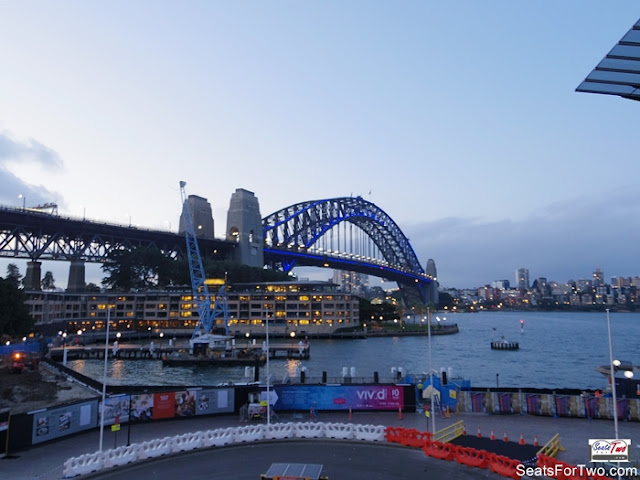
point(48, 282)
point(15, 320)
point(13, 275)
point(140, 268)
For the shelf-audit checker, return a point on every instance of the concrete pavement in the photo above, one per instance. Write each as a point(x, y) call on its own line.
point(45, 462)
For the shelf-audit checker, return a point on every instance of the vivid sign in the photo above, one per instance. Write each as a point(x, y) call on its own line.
point(339, 397)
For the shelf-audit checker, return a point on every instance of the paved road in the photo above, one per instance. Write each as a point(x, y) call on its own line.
point(341, 460)
point(45, 462)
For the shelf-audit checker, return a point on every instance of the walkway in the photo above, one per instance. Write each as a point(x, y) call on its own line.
point(44, 462)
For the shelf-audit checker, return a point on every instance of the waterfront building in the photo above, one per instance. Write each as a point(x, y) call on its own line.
point(301, 307)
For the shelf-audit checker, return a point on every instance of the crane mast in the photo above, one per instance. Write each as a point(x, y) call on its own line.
point(201, 295)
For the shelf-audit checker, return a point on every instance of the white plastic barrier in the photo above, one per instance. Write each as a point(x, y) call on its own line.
point(371, 433)
point(338, 430)
point(120, 456)
point(84, 464)
point(218, 437)
point(93, 462)
point(250, 433)
point(186, 442)
point(155, 448)
point(309, 430)
point(278, 431)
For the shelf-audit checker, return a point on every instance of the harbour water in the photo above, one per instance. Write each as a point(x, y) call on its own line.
point(557, 350)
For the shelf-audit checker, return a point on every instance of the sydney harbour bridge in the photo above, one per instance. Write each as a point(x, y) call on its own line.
point(346, 233)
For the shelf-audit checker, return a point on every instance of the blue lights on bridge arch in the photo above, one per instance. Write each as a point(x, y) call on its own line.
point(291, 232)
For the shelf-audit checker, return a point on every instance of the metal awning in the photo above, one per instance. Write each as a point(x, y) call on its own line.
point(619, 72)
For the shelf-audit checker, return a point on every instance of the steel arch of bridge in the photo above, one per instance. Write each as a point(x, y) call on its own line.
point(290, 233)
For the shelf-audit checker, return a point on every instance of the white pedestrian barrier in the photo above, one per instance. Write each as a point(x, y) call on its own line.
point(279, 431)
point(94, 462)
point(338, 430)
point(155, 448)
point(117, 457)
point(250, 433)
point(310, 430)
point(186, 442)
point(371, 433)
point(218, 437)
point(84, 464)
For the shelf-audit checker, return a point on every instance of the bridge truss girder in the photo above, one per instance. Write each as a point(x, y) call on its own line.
point(41, 236)
point(291, 232)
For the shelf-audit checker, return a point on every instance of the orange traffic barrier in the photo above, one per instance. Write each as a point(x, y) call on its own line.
point(472, 457)
point(504, 466)
point(443, 451)
point(394, 434)
point(415, 438)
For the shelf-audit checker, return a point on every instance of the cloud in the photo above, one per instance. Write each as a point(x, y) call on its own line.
point(560, 241)
point(32, 151)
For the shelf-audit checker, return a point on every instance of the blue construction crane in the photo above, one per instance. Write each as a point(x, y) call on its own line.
point(201, 295)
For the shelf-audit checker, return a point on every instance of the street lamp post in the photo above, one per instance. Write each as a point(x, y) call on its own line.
point(104, 377)
point(64, 349)
point(268, 354)
point(613, 380)
point(433, 413)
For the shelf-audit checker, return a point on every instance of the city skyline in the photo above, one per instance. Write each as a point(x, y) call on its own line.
point(460, 120)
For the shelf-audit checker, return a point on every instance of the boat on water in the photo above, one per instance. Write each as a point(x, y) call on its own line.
point(210, 349)
point(503, 344)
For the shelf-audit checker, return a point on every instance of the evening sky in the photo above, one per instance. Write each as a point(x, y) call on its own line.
point(457, 118)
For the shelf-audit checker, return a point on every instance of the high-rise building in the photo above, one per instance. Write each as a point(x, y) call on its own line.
point(201, 215)
point(351, 282)
point(501, 284)
point(522, 278)
point(598, 278)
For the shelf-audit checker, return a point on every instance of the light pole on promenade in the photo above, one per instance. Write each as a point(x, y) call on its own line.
point(104, 378)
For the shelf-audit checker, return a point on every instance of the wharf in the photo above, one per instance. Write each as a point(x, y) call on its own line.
point(149, 352)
